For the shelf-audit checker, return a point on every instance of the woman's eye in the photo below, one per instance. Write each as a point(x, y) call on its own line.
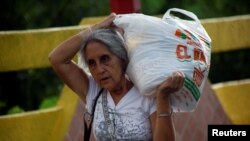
point(105, 59)
point(91, 63)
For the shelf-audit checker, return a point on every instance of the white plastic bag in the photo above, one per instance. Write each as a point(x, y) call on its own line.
point(158, 47)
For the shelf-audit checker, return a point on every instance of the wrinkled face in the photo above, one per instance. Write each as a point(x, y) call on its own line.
point(104, 66)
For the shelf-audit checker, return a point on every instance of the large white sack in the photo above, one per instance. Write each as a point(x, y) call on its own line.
point(159, 46)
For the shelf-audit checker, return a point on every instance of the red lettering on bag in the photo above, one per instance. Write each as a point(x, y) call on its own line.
point(182, 35)
point(198, 76)
point(194, 43)
point(190, 36)
point(199, 55)
point(178, 33)
point(181, 52)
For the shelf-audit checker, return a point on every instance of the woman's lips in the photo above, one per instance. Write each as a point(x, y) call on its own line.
point(105, 79)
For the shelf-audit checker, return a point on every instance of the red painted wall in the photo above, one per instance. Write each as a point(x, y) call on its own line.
point(125, 6)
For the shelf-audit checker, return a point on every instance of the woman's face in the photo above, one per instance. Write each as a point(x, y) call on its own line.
point(104, 66)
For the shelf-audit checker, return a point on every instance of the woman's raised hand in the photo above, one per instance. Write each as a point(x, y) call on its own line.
point(172, 84)
point(107, 22)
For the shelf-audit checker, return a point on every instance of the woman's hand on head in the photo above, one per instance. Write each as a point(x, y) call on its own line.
point(172, 84)
point(107, 22)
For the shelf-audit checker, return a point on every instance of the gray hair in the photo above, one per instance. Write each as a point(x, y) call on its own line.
point(114, 42)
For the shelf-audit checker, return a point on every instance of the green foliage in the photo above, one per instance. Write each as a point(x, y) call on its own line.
point(152, 7)
point(202, 8)
point(28, 88)
point(28, 14)
point(14, 110)
point(2, 104)
point(49, 102)
point(217, 8)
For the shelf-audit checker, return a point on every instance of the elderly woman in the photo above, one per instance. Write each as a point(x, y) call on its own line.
point(121, 111)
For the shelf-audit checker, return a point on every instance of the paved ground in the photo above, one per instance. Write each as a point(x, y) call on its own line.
point(189, 126)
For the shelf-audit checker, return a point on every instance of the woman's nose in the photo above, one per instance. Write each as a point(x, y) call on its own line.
point(100, 68)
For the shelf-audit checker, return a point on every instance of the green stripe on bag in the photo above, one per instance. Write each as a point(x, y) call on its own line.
point(189, 84)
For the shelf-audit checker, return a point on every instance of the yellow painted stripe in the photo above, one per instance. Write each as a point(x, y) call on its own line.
point(27, 49)
point(31, 126)
point(228, 33)
point(234, 98)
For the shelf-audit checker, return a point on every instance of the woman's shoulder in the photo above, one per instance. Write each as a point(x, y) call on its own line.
point(93, 91)
point(93, 86)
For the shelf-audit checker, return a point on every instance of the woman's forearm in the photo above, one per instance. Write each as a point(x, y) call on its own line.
point(164, 127)
point(68, 49)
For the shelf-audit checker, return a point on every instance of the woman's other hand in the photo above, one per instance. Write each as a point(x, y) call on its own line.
point(172, 84)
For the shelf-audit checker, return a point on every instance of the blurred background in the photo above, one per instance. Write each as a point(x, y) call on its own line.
point(39, 88)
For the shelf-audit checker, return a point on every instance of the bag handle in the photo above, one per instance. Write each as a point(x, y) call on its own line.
point(182, 11)
point(198, 27)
